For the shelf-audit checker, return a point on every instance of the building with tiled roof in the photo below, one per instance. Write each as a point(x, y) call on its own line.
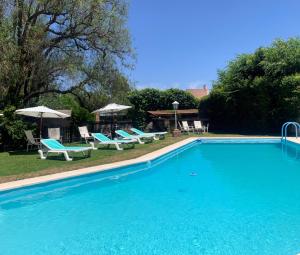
point(199, 93)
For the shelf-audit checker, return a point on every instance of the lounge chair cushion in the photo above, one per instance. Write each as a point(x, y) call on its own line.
point(140, 132)
point(54, 145)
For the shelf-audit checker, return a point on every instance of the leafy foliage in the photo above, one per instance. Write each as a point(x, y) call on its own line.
point(73, 48)
point(68, 102)
point(66, 47)
point(257, 92)
point(153, 99)
point(12, 128)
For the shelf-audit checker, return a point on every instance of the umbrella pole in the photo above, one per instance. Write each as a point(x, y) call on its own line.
point(111, 127)
point(41, 125)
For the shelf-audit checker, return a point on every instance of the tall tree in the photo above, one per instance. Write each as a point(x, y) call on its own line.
point(257, 92)
point(61, 46)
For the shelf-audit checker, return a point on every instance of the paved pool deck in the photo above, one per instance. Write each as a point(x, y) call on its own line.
point(89, 170)
point(294, 140)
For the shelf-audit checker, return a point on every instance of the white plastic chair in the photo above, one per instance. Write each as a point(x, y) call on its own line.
point(54, 133)
point(31, 141)
point(84, 134)
point(199, 127)
point(186, 127)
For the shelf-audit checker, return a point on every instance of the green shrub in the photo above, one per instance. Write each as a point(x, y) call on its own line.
point(12, 128)
point(257, 92)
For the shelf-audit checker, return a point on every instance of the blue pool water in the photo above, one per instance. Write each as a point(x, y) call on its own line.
point(208, 198)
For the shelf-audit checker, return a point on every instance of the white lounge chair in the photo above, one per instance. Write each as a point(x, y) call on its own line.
point(157, 135)
point(186, 127)
point(31, 141)
point(104, 140)
point(199, 127)
point(139, 138)
point(54, 133)
point(84, 134)
point(53, 146)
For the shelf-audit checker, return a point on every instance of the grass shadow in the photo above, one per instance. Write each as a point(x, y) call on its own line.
point(22, 153)
point(113, 148)
point(62, 158)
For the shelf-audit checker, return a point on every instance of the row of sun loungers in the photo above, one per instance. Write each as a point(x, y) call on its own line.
point(54, 145)
point(84, 133)
point(96, 140)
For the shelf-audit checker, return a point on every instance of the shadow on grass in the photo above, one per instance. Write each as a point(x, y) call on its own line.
point(59, 157)
point(62, 158)
point(113, 149)
point(22, 153)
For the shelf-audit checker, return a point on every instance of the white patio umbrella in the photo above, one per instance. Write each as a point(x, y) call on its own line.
point(111, 110)
point(41, 112)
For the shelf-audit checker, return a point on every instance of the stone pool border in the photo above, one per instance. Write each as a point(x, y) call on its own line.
point(94, 169)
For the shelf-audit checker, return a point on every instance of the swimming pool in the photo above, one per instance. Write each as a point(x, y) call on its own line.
point(209, 197)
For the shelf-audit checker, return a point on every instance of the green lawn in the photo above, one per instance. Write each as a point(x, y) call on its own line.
point(22, 164)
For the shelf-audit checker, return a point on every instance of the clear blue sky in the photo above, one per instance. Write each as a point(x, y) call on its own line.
point(183, 43)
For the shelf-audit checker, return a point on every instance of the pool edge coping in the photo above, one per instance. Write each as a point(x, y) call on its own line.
point(6, 186)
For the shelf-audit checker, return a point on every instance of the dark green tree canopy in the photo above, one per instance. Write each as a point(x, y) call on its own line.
point(61, 46)
point(257, 92)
